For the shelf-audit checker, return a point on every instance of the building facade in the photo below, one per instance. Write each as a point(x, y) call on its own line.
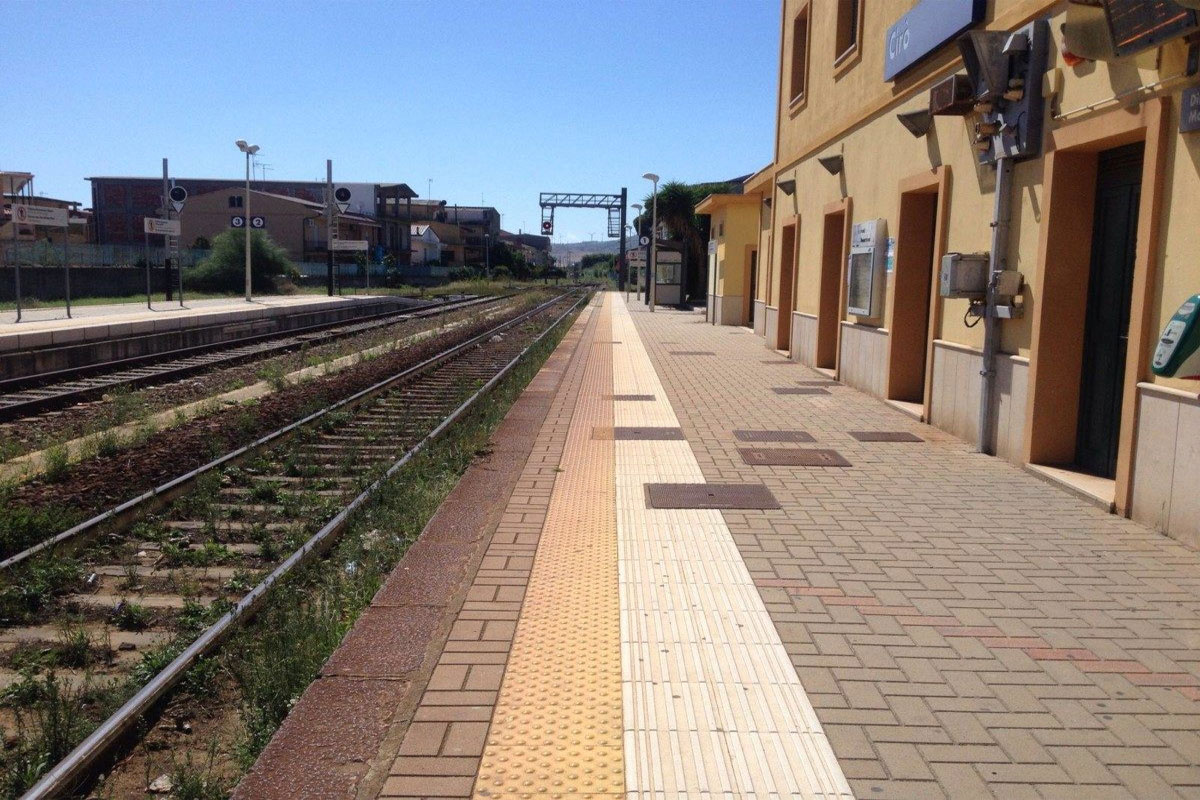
point(1102, 231)
point(298, 226)
point(732, 255)
point(119, 205)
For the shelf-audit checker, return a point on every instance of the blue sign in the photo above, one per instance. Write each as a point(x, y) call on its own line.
point(929, 25)
point(1189, 110)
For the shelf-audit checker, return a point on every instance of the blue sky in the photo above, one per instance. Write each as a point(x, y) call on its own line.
point(492, 100)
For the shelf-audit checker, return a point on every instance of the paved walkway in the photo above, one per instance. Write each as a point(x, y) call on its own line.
point(921, 621)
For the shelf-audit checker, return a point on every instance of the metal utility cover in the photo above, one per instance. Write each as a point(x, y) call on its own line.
point(818, 383)
point(710, 495)
point(632, 396)
point(781, 362)
point(638, 434)
point(773, 436)
point(886, 436)
point(691, 353)
point(798, 390)
point(791, 457)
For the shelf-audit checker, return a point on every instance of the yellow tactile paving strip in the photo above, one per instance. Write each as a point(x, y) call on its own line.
point(557, 727)
point(713, 705)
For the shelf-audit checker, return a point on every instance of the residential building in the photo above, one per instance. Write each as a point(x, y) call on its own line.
point(1102, 230)
point(477, 226)
point(534, 248)
point(297, 225)
point(426, 246)
point(17, 187)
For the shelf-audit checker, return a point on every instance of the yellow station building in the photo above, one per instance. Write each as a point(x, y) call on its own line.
point(1104, 230)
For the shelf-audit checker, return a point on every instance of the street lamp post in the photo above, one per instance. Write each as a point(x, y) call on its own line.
point(638, 284)
point(653, 265)
point(249, 150)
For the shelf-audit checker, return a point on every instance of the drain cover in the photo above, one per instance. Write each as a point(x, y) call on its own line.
point(709, 495)
point(644, 434)
point(773, 436)
point(798, 390)
point(691, 353)
point(886, 436)
point(631, 396)
point(818, 383)
point(781, 362)
point(792, 457)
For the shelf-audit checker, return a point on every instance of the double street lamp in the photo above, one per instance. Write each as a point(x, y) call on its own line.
point(653, 266)
point(249, 150)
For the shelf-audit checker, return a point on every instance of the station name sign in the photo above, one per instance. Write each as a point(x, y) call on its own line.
point(928, 26)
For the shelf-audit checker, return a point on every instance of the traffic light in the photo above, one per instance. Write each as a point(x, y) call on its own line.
point(547, 227)
point(1005, 74)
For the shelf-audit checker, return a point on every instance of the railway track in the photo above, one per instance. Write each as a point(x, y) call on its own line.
point(20, 397)
point(184, 565)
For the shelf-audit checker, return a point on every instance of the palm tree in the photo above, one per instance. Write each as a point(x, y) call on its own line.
point(677, 213)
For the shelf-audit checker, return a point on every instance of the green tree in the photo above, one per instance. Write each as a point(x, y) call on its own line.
point(677, 213)
point(225, 268)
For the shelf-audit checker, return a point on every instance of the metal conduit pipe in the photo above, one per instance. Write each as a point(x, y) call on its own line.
point(1001, 221)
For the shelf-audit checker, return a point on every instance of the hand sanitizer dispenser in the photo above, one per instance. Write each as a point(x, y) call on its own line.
point(1178, 351)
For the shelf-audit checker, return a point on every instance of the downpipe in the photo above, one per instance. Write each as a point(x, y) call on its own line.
point(998, 261)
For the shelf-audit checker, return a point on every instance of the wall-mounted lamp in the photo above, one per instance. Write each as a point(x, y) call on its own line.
point(832, 164)
point(767, 202)
point(788, 187)
point(917, 122)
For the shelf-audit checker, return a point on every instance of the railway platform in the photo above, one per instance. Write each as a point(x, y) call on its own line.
point(46, 327)
point(693, 568)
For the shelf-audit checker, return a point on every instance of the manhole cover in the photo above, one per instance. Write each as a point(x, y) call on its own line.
point(607, 341)
point(818, 383)
point(781, 362)
point(709, 495)
point(631, 397)
point(646, 434)
point(792, 457)
point(773, 436)
point(691, 353)
point(798, 390)
point(886, 436)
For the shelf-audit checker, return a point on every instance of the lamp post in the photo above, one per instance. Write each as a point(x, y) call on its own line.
point(249, 150)
point(653, 265)
point(638, 208)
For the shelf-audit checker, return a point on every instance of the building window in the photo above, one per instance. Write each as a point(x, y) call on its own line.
point(848, 14)
point(236, 200)
point(799, 55)
point(721, 229)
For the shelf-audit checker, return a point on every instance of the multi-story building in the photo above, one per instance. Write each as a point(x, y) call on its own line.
point(1099, 214)
point(479, 226)
point(535, 249)
point(17, 188)
point(119, 205)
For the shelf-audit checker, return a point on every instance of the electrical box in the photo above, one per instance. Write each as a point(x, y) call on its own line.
point(953, 96)
point(1178, 351)
point(865, 272)
point(963, 275)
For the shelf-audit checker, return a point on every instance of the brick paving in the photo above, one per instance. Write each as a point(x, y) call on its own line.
point(962, 628)
point(440, 751)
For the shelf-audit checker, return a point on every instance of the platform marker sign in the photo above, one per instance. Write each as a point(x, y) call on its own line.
point(258, 222)
point(48, 216)
point(162, 227)
point(237, 221)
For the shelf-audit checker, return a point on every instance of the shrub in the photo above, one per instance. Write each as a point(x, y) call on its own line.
point(225, 268)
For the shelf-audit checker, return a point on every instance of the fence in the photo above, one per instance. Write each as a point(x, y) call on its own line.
point(46, 254)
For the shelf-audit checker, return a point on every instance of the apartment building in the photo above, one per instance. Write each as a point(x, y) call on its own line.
point(868, 190)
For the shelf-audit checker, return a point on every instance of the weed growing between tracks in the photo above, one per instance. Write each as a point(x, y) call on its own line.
point(238, 698)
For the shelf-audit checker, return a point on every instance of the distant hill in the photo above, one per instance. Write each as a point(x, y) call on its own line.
point(572, 251)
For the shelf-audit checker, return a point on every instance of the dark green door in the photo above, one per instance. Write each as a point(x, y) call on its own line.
point(1106, 327)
